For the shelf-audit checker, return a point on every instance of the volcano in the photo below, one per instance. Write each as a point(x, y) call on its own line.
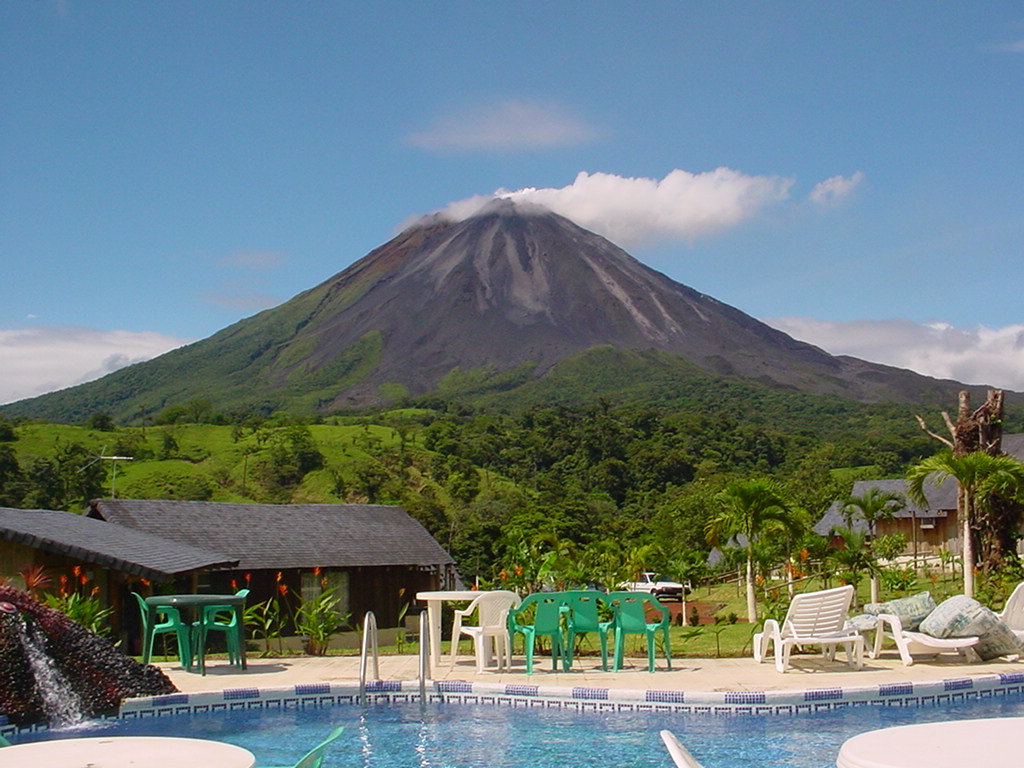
point(499, 299)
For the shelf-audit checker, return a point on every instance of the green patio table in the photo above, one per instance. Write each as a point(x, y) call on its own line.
point(196, 603)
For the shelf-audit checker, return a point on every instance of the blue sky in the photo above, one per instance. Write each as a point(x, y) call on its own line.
point(849, 172)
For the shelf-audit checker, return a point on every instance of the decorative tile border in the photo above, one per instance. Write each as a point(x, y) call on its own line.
point(789, 702)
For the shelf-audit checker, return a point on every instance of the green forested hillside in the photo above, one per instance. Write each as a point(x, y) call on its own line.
point(630, 478)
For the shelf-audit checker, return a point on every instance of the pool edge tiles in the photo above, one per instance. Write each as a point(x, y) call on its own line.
point(775, 702)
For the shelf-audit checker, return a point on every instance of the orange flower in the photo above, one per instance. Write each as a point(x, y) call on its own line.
point(77, 570)
point(278, 577)
point(234, 584)
point(316, 571)
point(503, 575)
point(95, 590)
point(248, 578)
point(519, 570)
point(283, 589)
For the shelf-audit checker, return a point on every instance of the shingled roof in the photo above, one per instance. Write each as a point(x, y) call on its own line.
point(275, 536)
point(110, 546)
point(941, 500)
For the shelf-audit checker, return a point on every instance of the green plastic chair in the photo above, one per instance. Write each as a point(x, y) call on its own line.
point(171, 623)
point(547, 622)
point(582, 611)
point(315, 757)
point(631, 619)
point(221, 618)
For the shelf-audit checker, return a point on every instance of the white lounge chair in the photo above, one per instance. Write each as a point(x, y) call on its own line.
point(911, 644)
point(1013, 612)
point(680, 755)
point(492, 626)
point(814, 618)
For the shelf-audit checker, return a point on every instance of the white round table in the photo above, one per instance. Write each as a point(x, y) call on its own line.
point(127, 752)
point(989, 743)
point(433, 601)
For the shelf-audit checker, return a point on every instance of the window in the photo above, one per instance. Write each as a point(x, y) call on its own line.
point(314, 584)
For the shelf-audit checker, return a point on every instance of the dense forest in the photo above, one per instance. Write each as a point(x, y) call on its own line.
point(621, 487)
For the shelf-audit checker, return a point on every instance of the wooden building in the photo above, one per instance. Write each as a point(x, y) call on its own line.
point(98, 559)
point(375, 557)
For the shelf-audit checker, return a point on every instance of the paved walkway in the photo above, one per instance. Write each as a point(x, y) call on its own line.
point(809, 672)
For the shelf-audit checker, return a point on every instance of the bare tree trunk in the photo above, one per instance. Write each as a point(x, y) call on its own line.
point(995, 535)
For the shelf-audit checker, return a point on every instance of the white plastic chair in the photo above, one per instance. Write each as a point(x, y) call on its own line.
point(911, 644)
point(492, 626)
point(1013, 612)
point(680, 755)
point(814, 618)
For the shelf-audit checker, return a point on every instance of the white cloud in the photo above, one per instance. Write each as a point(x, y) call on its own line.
point(505, 126)
point(831, 192)
point(978, 355)
point(635, 211)
point(1017, 46)
point(259, 261)
point(42, 359)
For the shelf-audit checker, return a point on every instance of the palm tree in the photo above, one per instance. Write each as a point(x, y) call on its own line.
point(979, 475)
point(748, 507)
point(855, 558)
point(872, 506)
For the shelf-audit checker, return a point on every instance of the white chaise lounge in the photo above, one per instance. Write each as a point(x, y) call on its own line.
point(911, 644)
point(814, 618)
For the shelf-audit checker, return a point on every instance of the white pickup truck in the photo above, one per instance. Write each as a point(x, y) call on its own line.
point(649, 582)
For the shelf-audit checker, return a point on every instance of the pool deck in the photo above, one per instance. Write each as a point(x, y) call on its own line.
point(809, 672)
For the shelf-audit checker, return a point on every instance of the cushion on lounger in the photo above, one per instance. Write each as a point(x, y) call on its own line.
point(862, 623)
point(910, 610)
point(959, 616)
point(999, 641)
point(962, 616)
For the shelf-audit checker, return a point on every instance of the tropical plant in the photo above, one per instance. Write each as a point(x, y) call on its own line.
point(83, 609)
point(265, 621)
point(747, 508)
point(980, 475)
point(318, 620)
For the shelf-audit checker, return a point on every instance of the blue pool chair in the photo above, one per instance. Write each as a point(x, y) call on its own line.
point(315, 757)
point(631, 609)
point(220, 618)
point(170, 623)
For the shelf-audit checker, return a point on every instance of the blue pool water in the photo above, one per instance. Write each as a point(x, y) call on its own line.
point(481, 736)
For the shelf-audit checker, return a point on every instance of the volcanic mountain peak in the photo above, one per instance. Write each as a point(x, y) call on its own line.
point(500, 297)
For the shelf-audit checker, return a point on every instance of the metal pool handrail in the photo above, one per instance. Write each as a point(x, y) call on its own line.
point(369, 631)
point(424, 655)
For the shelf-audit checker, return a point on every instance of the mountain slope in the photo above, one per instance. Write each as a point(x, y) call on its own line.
point(493, 302)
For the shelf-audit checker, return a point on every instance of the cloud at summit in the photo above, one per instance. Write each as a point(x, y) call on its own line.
point(685, 206)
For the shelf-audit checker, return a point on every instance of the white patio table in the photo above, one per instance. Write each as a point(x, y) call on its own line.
point(127, 752)
point(992, 743)
point(433, 601)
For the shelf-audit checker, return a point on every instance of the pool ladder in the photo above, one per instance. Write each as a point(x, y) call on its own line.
point(370, 637)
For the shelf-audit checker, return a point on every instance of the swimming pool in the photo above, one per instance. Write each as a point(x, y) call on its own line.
point(460, 735)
